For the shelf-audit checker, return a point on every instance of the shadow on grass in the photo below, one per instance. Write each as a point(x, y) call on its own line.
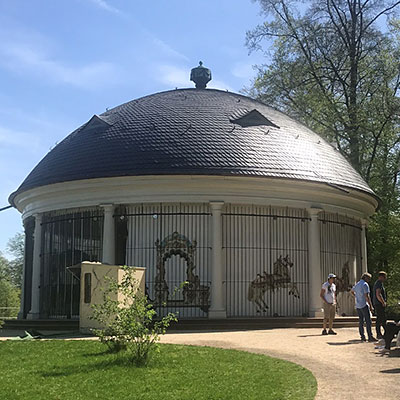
point(75, 369)
point(106, 352)
point(104, 365)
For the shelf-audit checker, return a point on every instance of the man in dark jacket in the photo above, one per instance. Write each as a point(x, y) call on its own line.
point(379, 302)
point(392, 329)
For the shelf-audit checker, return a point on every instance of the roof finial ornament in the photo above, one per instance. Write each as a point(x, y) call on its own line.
point(200, 76)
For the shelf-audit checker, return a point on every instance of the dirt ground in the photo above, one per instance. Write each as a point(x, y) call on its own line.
point(344, 367)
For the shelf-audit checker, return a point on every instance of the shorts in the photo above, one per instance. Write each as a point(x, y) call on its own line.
point(329, 311)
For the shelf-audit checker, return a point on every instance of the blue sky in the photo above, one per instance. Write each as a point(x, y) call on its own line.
point(63, 61)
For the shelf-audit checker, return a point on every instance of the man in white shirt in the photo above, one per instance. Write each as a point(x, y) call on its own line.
point(328, 296)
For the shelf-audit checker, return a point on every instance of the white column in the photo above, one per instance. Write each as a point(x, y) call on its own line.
point(364, 257)
point(22, 305)
point(108, 235)
point(34, 312)
point(217, 309)
point(314, 264)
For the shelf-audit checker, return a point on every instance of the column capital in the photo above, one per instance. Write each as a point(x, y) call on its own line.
point(216, 205)
point(38, 217)
point(364, 223)
point(107, 206)
point(314, 211)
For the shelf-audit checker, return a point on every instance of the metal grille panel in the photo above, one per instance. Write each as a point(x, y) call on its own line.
point(172, 241)
point(254, 239)
point(68, 238)
point(341, 255)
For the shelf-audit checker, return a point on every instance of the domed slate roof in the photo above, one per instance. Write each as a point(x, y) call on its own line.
point(194, 132)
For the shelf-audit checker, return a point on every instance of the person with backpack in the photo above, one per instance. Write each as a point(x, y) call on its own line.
point(379, 302)
point(364, 307)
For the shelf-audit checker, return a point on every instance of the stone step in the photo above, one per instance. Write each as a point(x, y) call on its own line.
point(259, 323)
point(42, 324)
point(195, 324)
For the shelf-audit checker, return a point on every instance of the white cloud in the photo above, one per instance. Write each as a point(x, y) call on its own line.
point(243, 71)
point(106, 6)
point(11, 139)
point(221, 85)
point(26, 56)
point(173, 76)
point(167, 49)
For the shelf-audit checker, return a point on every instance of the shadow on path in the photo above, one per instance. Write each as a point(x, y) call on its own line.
point(391, 371)
point(310, 335)
point(351, 341)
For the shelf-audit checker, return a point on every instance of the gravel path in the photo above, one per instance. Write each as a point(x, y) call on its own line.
point(344, 367)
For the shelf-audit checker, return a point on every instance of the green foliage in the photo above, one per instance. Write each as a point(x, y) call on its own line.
point(9, 294)
point(16, 247)
point(4, 266)
point(384, 255)
point(81, 370)
point(129, 319)
point(9, 299)
point(334, 66)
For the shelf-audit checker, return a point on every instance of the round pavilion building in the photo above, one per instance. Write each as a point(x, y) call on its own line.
point(247, 205)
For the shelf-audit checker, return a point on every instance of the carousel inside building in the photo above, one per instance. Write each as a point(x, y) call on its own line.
point(248, 206)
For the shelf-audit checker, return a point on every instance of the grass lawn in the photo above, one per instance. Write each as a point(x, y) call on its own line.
point(58, 369)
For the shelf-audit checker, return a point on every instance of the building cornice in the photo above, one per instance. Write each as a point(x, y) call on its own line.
point(195, 189)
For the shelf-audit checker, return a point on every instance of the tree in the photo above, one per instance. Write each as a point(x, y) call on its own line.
point(9, 294)
point(4, 267)
point(16, 247)
point(334, 65)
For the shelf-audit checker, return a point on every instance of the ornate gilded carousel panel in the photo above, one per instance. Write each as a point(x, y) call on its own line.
point(172, 242)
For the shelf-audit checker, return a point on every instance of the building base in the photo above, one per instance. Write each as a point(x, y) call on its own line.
point(316, 313)
point(217, 314)
point(31, 315)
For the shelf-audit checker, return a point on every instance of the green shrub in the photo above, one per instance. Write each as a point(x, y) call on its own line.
point(130, 322)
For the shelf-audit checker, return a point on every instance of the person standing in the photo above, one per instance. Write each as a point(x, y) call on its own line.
point(364, 306)
point(392, 328)
point(379, 302)
point(328, 296)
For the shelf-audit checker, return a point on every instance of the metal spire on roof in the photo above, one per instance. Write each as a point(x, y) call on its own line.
point(200, 76)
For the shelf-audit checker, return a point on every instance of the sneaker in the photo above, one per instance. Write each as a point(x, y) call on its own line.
point(331, 332)
point(384, 351)
point(324, 332)
point(363, 339)
point(372, 340)
point(379, 337)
